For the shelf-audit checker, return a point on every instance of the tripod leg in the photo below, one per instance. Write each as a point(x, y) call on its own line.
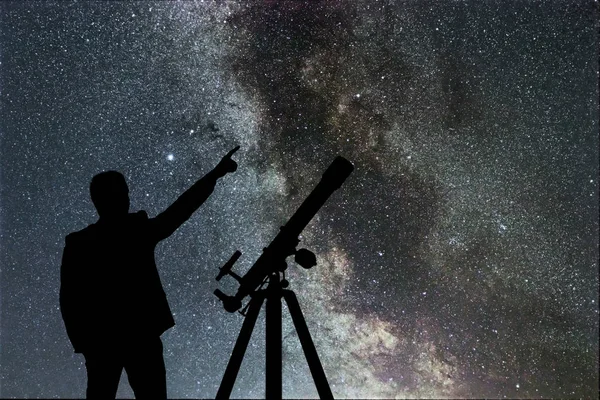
point(316, 369)
point(273, 370)
point(237, 356)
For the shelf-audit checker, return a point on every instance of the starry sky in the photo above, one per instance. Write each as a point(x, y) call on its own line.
point(458, 260)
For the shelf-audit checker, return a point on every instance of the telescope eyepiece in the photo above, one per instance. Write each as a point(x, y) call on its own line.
point(226, 269)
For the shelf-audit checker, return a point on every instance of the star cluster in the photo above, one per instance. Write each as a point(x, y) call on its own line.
point(458, 260)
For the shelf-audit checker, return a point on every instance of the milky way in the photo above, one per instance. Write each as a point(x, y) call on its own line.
point(458, 260)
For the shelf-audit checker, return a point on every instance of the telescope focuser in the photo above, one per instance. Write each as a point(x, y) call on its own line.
point(305, 258)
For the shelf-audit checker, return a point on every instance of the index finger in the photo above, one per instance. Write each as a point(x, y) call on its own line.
point(231, 152)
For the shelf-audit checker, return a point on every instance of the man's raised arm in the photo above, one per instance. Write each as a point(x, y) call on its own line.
point(182, 209)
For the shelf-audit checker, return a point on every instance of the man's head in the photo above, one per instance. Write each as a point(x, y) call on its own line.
point(110, 194)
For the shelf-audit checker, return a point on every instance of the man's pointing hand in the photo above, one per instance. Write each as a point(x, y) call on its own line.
point(227, 164)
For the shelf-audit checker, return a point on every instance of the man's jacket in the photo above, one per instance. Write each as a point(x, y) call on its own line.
point(110, 287)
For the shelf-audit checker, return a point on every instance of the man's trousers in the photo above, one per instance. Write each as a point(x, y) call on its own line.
point(143, 361)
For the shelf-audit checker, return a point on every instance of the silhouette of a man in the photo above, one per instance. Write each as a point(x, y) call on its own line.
point(111, 297)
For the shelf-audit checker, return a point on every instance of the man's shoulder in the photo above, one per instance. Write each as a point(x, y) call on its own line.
point(81, 234)
point(139, 225)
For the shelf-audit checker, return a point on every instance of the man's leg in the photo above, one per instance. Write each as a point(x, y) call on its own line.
point(145, 369)
point(103, 374)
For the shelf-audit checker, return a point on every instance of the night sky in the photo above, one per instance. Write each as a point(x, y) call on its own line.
point(458, 260)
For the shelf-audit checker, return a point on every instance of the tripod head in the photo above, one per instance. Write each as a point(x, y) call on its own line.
point(273, 258)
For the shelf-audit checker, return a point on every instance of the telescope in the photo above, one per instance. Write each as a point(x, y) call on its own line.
point(267, 269)
point(284, 245)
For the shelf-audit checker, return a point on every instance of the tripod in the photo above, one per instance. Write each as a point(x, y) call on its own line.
point(273, 294)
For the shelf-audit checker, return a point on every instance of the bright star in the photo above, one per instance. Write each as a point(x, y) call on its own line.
point(170, 157)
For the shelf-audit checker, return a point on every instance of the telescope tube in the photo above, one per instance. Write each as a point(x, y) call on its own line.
point(273, 257)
